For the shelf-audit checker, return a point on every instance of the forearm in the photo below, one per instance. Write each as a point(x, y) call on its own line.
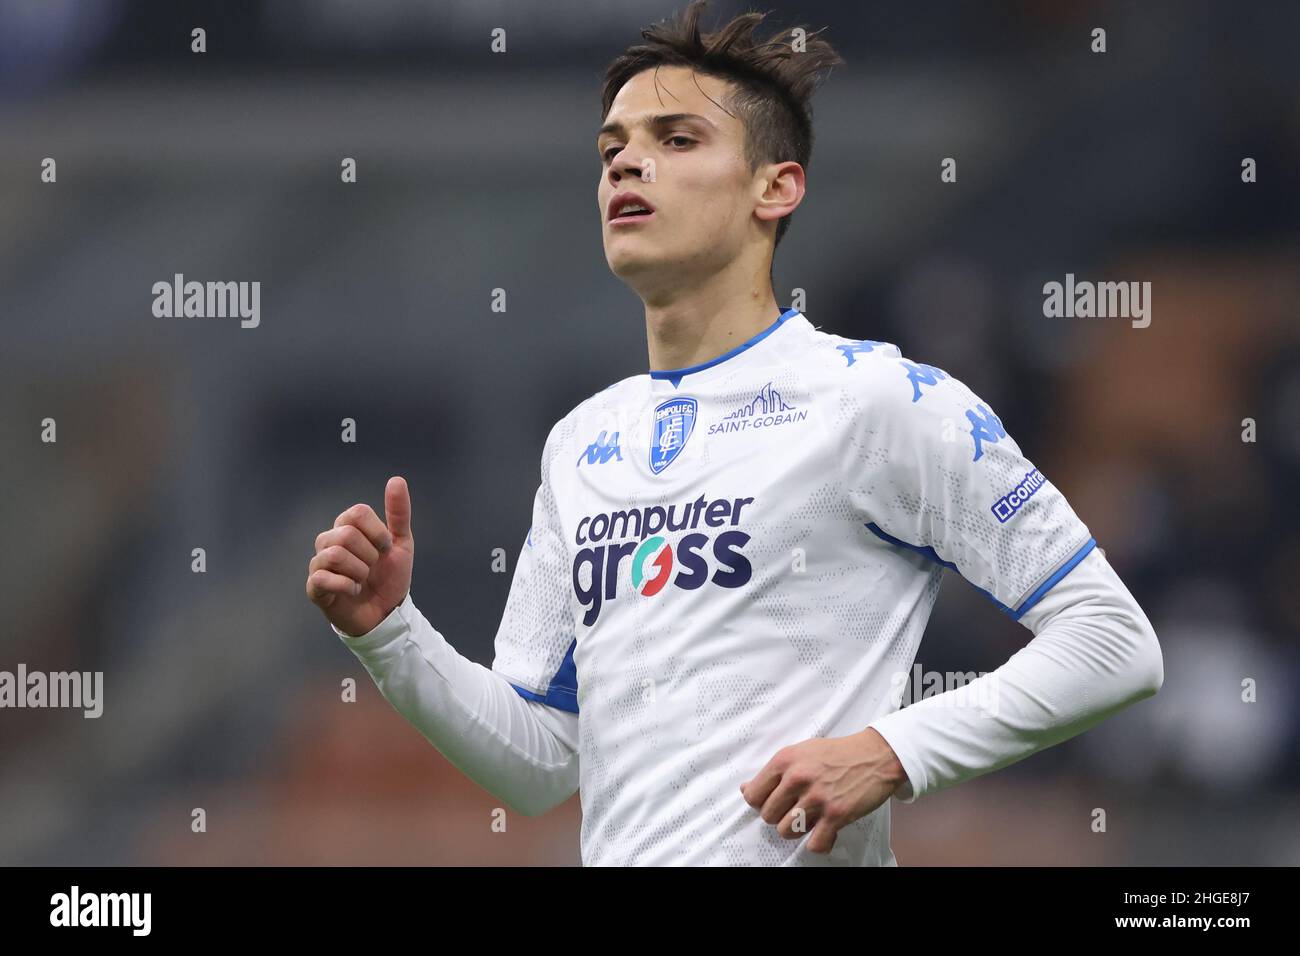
point(1094, 652)
point(510, 746)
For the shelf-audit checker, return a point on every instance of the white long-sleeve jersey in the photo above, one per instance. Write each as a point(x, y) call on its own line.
point(741, 555)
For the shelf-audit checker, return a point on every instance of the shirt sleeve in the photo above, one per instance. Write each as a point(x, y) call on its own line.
point(1094, 653)
point(930, 468)
point(513, 729)
point(536, 639)
point(516, 749)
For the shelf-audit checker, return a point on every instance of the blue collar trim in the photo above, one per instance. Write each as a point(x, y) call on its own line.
point(677, 374)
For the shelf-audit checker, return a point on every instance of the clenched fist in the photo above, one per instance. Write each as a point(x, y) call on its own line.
point(362, 569)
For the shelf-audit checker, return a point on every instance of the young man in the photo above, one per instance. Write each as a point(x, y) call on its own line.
point(732, 558)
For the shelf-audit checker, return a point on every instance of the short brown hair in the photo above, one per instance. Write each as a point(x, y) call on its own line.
point(773, 83)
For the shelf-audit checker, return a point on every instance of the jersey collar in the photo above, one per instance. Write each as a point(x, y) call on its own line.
point(675, 376)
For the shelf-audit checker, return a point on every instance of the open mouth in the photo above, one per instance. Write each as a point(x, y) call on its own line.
point(629, 208)
point(632, 215)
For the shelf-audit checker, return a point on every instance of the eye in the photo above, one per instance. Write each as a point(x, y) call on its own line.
point(679, 136)
point(610, 152)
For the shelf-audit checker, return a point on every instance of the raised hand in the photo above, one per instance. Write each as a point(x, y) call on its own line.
point(362, 567)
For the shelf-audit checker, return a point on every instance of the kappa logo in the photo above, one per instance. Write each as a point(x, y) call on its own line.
point(864, 347)
point(922, 374)
point(674, 421)
point(985, 426)
point(601, 450)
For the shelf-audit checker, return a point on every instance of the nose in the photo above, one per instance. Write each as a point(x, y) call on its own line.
point(625, 163)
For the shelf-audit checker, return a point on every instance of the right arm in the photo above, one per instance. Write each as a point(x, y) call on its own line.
point(520, 750)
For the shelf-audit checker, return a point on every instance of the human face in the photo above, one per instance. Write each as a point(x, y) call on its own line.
point(671, 144)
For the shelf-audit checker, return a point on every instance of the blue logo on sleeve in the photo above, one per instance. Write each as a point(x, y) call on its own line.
point(674, 420)
point(984, 427)
point(1008, 506)
point(920, 375)
point(862, 346)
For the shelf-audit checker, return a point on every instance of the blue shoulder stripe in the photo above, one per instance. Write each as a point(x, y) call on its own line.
point(1061, 572)
point(562, 693)
point(1016, 613)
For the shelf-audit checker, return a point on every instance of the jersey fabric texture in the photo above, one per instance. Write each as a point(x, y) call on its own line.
point(737, 556)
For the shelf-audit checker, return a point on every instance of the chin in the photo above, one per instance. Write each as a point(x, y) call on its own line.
point(626, 263)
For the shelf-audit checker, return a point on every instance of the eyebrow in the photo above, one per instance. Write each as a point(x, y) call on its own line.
point(664, 119)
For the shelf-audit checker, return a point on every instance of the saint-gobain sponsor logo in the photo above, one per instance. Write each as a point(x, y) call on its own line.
point(767, 410)
point(1008, 506)
point(701, 556)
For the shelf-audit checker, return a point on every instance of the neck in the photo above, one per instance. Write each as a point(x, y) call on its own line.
point(693, 325)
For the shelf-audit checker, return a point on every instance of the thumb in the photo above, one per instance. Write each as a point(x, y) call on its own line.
point(397, 508)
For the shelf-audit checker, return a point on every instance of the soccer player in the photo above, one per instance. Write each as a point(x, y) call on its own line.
point(733, 557)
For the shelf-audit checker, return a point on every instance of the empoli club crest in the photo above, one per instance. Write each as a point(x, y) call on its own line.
point(674, 420)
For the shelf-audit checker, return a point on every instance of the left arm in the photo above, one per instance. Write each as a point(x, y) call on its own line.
point(1093, 653)
point(932, 469)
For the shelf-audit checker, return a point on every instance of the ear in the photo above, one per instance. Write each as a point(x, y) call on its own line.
point(781, 189)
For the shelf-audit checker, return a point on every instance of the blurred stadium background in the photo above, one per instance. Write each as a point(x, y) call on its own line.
point(478, 171)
